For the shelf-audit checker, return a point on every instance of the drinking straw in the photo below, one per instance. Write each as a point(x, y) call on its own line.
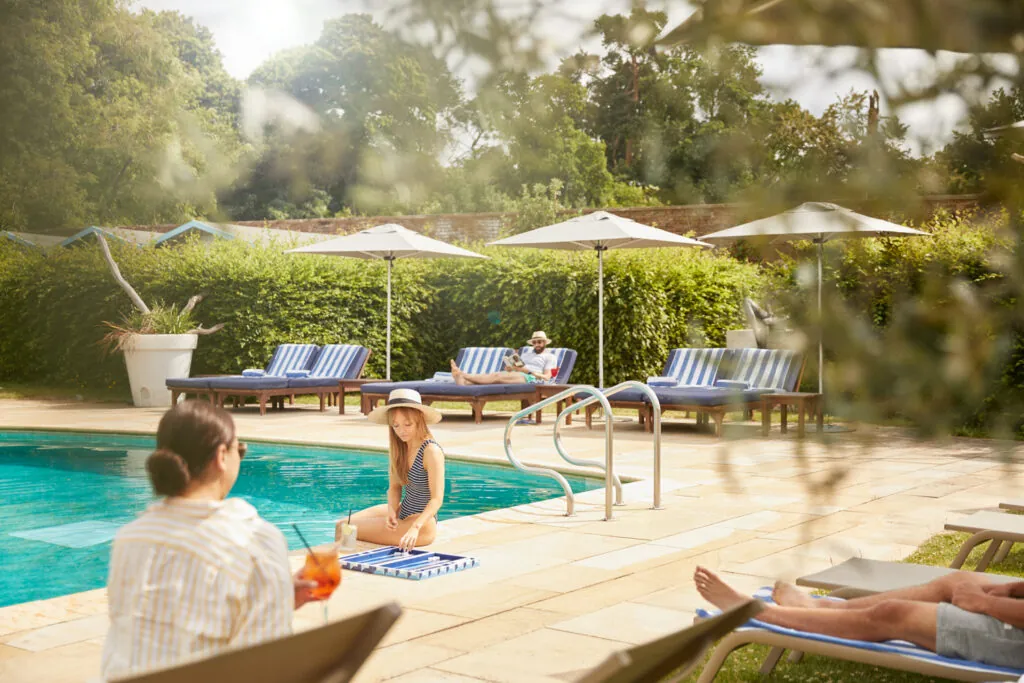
point(349, 516)
point(306, 543)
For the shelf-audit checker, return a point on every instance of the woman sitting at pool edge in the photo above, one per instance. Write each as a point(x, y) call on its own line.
point(415, 474)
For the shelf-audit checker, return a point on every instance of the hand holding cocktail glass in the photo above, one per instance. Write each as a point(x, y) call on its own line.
point(319, 577)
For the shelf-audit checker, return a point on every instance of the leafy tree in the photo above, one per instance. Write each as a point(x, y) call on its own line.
point(385, 108)
point(95, 124)
point(973, 158)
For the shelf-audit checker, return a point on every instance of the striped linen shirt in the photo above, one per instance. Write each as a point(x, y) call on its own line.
point(189, 579)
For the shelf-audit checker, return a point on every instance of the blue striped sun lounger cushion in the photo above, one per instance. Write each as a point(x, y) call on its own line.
point(482, 359)
point(767, 369)
point(188, 383)
point(475, 360)
point(335, 362)
point(692, 367)
point(292, 357)
point(896, 647)
point(287, 358)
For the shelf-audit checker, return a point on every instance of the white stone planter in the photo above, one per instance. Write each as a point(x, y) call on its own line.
point(151, 359)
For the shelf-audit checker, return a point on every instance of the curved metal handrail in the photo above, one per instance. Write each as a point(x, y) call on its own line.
point(609, 478)
point(560, 449)
point(655, 421)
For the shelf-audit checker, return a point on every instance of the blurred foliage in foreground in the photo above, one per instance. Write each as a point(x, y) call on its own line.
point(114, 117)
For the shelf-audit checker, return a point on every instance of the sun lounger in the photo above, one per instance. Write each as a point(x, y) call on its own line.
point(740, 378)
point(263, 384)
point(333, 363)
point(858, 577)
point(689, 368)
point(472, 360)
point(1013, 505)
point(897, 655)
point(677, 653)
point(329, 653)
point(286, 357)
point(999, 529)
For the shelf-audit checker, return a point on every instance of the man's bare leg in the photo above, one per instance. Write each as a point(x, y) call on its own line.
point(886, 620)
point(464, 378)
point(939, 590)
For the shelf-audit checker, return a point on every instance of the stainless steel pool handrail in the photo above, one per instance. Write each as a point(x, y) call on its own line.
point(609, 476)
point(655, 421)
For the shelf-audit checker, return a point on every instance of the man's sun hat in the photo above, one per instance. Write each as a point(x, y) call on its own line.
point(539, 334)
point(404, 398)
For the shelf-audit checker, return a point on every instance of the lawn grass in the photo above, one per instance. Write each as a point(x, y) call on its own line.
point(15, 390)
point(744, 664)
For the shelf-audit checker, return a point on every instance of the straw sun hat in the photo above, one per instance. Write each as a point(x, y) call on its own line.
point(404, 398)
point(539, 334)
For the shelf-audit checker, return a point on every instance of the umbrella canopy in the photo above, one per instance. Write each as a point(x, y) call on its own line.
point(386, 243)
point(955, 25)
point(599, 231)
point(1010, 130)
point(818, 222)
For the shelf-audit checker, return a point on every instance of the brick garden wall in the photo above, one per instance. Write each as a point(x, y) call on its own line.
point(700, 219)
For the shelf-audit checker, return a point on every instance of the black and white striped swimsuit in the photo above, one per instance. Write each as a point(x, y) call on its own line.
point(417, 492)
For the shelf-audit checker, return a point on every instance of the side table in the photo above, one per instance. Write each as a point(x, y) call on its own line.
point(351, 386)
point(805, 403)
point(547, 391)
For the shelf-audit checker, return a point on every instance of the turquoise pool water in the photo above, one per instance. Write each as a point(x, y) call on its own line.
point(62, 497)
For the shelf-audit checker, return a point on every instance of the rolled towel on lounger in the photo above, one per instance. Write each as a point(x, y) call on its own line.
point(662, 381)
point(731, 384)
point(442, 377)
point(297, 373)
point(253, 372)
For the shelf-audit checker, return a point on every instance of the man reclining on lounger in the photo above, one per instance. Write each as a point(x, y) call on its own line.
point(962, 615)
point(535, 365)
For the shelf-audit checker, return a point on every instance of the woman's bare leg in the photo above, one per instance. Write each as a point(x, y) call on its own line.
point(886, 620)
point(367, 516)
point(375, 530)
point(939, 590)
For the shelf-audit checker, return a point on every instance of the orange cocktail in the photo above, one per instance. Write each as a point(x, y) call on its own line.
point(323, 568)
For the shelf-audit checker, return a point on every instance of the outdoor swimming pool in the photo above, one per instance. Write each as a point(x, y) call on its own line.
point(63, 496)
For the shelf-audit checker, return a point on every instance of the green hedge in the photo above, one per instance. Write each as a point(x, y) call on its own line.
point(52, 306)
point(926, 329)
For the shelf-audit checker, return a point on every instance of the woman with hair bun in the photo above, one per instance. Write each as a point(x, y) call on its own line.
point(196, 573)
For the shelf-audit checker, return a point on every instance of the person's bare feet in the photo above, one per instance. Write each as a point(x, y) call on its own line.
point(788, 595)
point(714, 590)
point(457, 375)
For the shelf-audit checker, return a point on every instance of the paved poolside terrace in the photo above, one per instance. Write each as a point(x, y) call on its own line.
point(555, 594)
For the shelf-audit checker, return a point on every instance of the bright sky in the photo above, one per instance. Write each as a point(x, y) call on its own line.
point(249, 31)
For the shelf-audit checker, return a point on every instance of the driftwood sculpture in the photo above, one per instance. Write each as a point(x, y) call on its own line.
point(762, 322)
point(146, 311)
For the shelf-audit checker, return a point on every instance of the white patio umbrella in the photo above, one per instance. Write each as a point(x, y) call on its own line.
point(599, 231)
point(386, 242)
point(818, 222)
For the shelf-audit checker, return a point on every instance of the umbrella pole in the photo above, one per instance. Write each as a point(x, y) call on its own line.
point(387, 370)
point(600, 318)
point(821, 325)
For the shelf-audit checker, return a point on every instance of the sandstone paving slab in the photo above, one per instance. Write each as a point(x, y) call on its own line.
point(530, 657)
point(630, 622)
